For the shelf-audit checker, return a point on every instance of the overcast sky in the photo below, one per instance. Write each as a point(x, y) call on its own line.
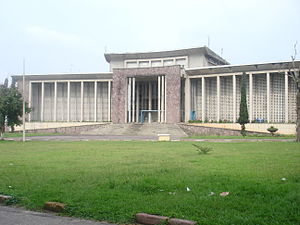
point(71, 35)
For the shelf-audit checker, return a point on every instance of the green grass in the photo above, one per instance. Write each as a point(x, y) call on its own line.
point(114, 180)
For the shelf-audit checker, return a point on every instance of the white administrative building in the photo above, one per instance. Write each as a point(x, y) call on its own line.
point(164, 87)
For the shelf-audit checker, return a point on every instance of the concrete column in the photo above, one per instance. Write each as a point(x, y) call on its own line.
point(29, 100)
point(42, 102)
point(55, 102)
point(203, 99)
point(101, 100)
point(137, 102)
point(218, 98)
point(95, 101)
point(109, 101)
point(158, 97)
point(129, 100)
point(141, 89)
point(234, 97)
point(133, 99)
point(268, 97)
point(68, 116)
point(286, 97)
point(162, 117)
point(81, 102)
point(165, 100)
point(149, 101)
point(187, 99)
point(250, 97)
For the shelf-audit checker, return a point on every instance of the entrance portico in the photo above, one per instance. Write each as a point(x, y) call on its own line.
point(145, 94)
point(146, 99)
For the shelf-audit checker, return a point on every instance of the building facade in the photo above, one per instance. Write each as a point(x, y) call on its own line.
point(163, 87)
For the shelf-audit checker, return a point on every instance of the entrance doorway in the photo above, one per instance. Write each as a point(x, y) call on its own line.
point(146, 99)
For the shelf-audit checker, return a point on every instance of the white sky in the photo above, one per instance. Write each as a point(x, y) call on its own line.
point(72, 35)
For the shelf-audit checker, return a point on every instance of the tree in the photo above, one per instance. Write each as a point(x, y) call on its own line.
point(3, 108)
point(294, 72)
point(243, 116)
point(11, 104)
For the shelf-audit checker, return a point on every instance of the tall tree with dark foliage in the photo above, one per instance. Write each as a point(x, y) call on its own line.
point(243, 116)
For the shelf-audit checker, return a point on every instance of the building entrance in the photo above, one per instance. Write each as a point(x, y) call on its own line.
point(146, 99)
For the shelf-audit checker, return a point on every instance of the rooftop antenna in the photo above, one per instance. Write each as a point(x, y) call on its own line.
point(221, 52)
point(23, 90)
point(71, 68)
point(208, 41)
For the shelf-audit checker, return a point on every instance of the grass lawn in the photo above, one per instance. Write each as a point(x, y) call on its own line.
point(114, 180)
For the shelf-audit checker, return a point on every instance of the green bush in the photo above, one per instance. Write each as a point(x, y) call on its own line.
point(202, 149)
point(272, 130)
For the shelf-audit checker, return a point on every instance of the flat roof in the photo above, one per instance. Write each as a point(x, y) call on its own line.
point(64, 76)
point(281, 65)
point(163, 54)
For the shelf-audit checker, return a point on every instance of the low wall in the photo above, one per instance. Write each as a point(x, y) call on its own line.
point(65, 128)
point(192, 129)
point(288, 128)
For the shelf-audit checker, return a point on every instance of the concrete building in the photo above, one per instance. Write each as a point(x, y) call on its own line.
point(163, 87)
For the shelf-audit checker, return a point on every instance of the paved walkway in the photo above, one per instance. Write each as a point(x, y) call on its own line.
point(18, 216)
point(133, 138)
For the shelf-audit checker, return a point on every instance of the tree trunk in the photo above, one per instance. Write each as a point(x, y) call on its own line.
point(298, 115)
point(243, 130)
point(1, 133)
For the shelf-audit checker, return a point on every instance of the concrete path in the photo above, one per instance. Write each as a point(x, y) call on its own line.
point(134, 138)
point(86, 138)
point(18, 216)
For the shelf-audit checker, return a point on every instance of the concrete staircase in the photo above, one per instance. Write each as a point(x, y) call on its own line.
point(137, 130)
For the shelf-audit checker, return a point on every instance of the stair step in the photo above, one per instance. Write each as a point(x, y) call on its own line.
point(137, 130)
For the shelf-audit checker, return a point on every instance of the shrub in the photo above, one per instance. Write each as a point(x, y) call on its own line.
point(195, 121)
point(272, 130)
point(202, 149)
